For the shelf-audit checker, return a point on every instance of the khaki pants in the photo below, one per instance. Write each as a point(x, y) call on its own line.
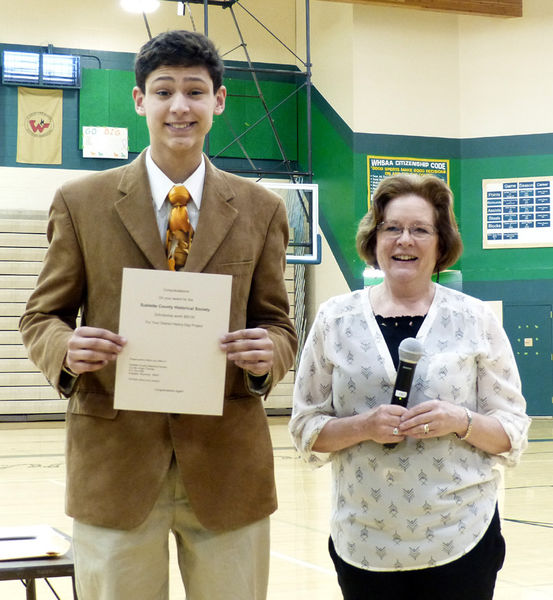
point(112, 564)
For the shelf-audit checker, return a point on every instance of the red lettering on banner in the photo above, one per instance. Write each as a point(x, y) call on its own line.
point(40, 127)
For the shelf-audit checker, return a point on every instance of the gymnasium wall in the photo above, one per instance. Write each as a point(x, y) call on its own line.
point(388, 81)
point(104, 25)
point(474, 90)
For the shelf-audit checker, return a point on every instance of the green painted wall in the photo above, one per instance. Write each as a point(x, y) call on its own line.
point(498, 264)
point(337, 172)
point(521, 278)
point(339, 165)
point(105, 101)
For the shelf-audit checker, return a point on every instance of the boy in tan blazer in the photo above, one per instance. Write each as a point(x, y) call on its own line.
point(134, 476)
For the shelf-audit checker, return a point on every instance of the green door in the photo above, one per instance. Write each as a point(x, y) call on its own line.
point(529, 330)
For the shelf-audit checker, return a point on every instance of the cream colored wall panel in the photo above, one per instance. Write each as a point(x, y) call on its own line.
point(23, 282)
point(332, 41)
point(282, 389)
point(31, 189)
point(44, 392)
point(279, 17)
point(23, 390)
point(104, 25)
point(506, 75)
point(13, 295)
point(323, 281)
point(29, 407)
point(11, 309)
point(22, 379)
point(9, 267)
point(9, 323)
point(280, 398)
point(13, 351)
point(23, 240)
point(16, 365)
point(29, 254)
point(413, 72)
point(386, 70)
point(279, 404)
point(288, 378)
point(406, 72)
point(23, 222)
point(9, 337)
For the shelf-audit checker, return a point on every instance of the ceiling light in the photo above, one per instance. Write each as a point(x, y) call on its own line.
point(139, 6)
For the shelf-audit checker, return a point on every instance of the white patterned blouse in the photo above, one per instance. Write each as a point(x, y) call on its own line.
point(424, 502)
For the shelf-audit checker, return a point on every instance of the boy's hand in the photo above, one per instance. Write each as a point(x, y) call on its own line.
point(249, 349)
point(91, 348)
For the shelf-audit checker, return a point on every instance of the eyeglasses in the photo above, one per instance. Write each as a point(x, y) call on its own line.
point(418, 231)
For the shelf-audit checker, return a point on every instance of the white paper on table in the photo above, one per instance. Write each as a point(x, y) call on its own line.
point(33, 541)
point(173, 322)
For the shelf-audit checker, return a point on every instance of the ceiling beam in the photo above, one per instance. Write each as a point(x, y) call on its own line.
point(490, 8)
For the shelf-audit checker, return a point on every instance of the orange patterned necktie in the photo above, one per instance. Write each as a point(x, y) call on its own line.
point(179, 231)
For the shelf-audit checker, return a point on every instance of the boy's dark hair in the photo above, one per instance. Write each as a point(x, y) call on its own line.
point(178, 48)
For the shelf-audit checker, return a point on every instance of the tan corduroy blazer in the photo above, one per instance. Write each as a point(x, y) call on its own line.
point(116, 460)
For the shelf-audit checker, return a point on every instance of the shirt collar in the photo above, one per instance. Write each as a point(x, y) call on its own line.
point(160, 184)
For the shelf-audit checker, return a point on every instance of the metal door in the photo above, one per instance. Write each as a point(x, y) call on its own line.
point(529, 328)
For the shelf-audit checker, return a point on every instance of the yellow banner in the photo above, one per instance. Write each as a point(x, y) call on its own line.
point(39, 126)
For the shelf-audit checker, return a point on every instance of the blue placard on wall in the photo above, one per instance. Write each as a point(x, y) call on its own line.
point(517, 212)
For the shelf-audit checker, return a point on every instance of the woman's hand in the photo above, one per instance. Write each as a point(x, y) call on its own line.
point(384, 422)
point(381, 424)
point(439, 417)
point(433, 419)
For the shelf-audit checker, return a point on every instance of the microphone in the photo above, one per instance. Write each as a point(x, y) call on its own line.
point(410, 351)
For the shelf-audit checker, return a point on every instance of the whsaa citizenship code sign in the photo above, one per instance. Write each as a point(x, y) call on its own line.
point(379, 167)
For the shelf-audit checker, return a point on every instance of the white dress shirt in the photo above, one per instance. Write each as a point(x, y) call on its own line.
point(160, 185)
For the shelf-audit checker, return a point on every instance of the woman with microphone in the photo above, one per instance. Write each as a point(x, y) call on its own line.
point(414, 508)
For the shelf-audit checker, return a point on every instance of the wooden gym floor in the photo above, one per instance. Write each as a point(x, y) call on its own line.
point(32, 492)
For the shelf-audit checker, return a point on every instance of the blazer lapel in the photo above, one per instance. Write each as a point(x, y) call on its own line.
point(136, 211)
point(216, 218)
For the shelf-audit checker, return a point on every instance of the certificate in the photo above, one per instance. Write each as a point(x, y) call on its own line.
point(172, 362)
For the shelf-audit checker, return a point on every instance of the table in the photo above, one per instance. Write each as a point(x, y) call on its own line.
point(30, 569)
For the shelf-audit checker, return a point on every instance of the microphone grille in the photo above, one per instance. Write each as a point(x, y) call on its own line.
point(410, 350)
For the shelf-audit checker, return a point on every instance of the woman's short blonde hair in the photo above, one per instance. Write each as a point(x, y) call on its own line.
point(430, 188)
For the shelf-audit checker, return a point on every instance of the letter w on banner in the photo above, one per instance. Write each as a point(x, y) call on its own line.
point(39, 126)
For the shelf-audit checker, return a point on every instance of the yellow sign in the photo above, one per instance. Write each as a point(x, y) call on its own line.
point(379, 167)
